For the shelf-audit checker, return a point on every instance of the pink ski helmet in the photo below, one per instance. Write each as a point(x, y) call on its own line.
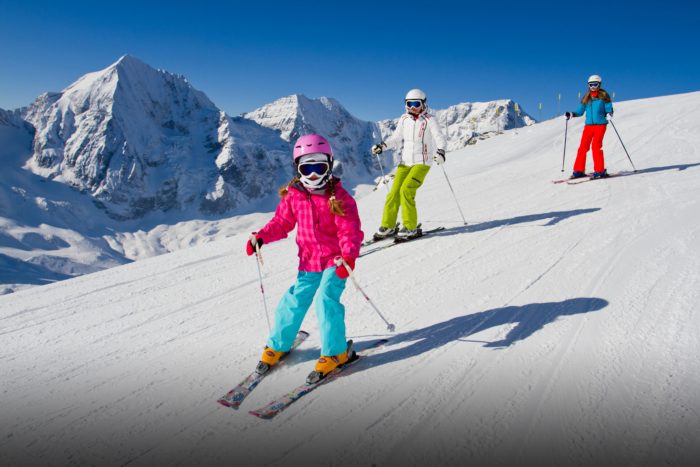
point(312, 144)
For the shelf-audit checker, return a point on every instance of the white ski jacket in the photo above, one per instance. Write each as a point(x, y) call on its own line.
point(416, 140)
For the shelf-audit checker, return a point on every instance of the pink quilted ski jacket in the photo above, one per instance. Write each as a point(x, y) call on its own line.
point(321, 235)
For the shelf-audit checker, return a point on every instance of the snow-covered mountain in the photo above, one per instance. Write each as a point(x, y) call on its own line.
point(351, 138)
point(560, 327)
point(130, 162)
point(468, 122)
point(16, 133)
point(464, 124)
point(48, 231)
point(140, 140)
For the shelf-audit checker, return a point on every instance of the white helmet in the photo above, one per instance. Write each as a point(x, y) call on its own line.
point(415, 101)
point(415, 95)
point(595, 79)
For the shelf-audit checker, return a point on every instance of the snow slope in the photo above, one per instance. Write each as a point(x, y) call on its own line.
point(559, 327)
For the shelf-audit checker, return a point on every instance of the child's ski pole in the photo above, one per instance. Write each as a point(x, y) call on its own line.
point(259, 262)
point(341, 261)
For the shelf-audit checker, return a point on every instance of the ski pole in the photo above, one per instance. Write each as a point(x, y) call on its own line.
point(623, 144)
point(381, 167)
point(453, 194)
point(341, 261)
point(259, 262)
point(563, 158)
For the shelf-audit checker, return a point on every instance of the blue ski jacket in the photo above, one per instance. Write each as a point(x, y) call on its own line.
point(595, 111)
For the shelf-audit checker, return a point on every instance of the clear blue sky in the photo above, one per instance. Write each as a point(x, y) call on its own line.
point(365, 54)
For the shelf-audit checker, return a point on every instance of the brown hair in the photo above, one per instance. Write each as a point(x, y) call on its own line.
point(602, 94)
point(334, 204)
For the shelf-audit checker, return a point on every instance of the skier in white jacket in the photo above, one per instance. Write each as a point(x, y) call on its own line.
point(418, 140)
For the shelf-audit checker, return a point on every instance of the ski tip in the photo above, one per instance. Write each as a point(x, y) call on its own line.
point(231, 405)
point(261, 415)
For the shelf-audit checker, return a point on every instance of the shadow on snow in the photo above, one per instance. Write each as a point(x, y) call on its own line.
point(678, 167)
point(528, 319)
point(554, 218)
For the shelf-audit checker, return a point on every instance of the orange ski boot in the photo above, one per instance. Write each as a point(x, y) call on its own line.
point(326, 364)
point(270, 357)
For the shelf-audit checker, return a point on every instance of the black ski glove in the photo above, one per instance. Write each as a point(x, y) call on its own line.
point(439, 156)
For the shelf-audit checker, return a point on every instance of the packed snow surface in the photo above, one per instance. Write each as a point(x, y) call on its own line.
point(559, 326)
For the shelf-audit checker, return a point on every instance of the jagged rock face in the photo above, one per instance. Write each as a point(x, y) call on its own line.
point(351, 138)
point(16, 134)
point(16, 137)
point(251, 164)
point(141, 140)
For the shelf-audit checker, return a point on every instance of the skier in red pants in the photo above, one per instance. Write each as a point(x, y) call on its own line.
point(597, 105)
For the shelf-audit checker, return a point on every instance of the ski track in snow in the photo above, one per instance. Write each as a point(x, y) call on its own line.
point(559, 328)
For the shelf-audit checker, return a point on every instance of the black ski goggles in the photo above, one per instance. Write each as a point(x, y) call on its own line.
point(414, 104)
point(308, 168)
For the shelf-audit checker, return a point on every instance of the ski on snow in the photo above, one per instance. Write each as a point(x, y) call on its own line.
point(278, 405)
point(235, 397)
point(398, 242)
point(588, 178)
point(373, 240)
point(422, 234)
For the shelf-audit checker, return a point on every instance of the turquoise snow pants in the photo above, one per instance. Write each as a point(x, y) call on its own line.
point(296, 302)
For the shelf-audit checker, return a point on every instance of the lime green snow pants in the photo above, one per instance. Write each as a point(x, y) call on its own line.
point(403, 194)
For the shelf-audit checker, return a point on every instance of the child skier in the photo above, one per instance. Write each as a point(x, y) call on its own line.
point(328, 229)
point(597, 105)
point(419, 134)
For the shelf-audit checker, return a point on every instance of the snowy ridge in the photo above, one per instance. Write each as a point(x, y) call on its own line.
point(38, 239)
point(351, 138)
point(154, 166)
point(141, 140)
point(559, 327)
point(468, 122)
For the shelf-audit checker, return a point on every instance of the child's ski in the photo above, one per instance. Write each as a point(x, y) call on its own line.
point(235, 397)
point(278, 405)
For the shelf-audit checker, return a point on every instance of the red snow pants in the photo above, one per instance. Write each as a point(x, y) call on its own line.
point(591, 134)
